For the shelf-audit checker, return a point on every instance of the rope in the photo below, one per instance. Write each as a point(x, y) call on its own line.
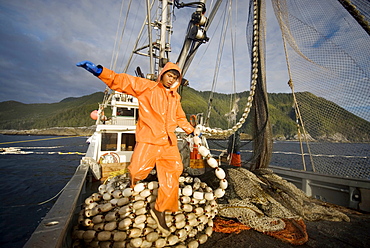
point(300, 124)
point(254, 76)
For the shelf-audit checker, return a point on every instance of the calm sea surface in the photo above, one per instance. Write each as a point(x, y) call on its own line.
point(43, 170)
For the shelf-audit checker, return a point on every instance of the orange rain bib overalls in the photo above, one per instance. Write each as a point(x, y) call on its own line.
point(160, 112)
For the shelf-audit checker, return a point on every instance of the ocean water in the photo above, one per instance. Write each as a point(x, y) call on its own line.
point(31, 178)
point(48, 162)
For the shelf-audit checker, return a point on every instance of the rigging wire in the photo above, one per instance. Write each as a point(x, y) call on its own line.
point(116, 39)
point(121, 37)
point(217, 65)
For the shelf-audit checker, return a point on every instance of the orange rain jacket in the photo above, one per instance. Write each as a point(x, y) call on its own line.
point(160, 110)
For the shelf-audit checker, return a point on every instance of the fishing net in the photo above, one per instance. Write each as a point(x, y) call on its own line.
point(328, 63)
point(267, 203)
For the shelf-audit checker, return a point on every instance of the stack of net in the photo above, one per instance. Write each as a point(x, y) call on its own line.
point(267, 203)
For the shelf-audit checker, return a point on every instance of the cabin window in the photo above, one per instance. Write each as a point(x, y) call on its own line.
point(128, 142)
point(109, 141)
point(125, 112)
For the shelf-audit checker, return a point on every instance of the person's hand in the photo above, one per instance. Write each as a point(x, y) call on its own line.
point(91, 67)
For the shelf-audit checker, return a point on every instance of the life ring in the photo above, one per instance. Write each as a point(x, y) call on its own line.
point(193, 120)
point(108, 158)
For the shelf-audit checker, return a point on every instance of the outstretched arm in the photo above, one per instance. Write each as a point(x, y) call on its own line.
point(120, 82)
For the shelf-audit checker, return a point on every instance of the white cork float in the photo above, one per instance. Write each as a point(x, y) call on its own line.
point(118, 216)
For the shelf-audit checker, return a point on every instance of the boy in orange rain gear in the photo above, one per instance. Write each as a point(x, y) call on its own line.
point(160, 112)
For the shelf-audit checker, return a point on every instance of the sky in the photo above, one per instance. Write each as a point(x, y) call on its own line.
point(42, 40)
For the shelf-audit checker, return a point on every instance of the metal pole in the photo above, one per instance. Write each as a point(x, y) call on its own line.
point(150, 37)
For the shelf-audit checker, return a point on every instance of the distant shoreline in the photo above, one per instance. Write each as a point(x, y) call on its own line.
point(53, 131)
point(88, 131)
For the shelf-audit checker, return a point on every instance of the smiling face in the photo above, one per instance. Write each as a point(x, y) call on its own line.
point(169, 78)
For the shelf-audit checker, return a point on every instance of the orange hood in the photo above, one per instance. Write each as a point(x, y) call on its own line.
point(171, 66)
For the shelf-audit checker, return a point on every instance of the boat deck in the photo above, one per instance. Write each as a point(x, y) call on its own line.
point(320, 233)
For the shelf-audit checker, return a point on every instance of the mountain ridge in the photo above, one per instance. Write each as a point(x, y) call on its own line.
point(73, 113)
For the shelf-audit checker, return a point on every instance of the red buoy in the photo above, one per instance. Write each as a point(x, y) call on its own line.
point(94, 115)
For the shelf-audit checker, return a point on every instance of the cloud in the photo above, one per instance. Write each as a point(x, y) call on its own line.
point(43, 40)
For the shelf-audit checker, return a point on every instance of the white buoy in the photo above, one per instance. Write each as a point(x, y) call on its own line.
point(87, 222)
point(172, 239)
point(89, 234)
point(104, 236)
point(185, 199)
point(145, 193)
point(223, 184)
point(119, 236)
point(117, 193)
point(203, 151)
point(111, 216)
point(209, 196)
point(122, 201)
point(89, 200)
point(91, 205)
point(220, 173)
point(134, 232)
point(146, 244)
point(161, 242)
point(198, 211)
point(219, 192)
point(202, 238)
point(207, 209)
point(147, 230)
point(99, 227)
point(138, 204)
point(153, 185)
point(187, 228)
point(136, 242)
point(102, 188)
point(141, 211)
point(107, 196)
point(124, 224)
point(140, 219)
point(192, 222)
point(193, 244)
point(98, 219)
point(152, 236)
point(197, 140)
point(187, 190)
point(127, 192)
point(190, 216)
point(212, 162)
point(194, 201)
point(140, 226)
point(198, 195)
point(110, 226)
point(91, 212)
point(180, 224)
point(139, 187)
point(209, 231)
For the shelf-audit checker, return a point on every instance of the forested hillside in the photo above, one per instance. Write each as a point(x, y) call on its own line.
point(70, 112)
point(75, 112)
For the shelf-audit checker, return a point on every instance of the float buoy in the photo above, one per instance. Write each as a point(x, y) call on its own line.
point(94, 115)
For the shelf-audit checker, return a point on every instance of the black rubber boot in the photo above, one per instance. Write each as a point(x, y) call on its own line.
point(160, 219)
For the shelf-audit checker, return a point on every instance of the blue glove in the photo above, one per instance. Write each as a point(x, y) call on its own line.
point(91, 67)
point(200, 134)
